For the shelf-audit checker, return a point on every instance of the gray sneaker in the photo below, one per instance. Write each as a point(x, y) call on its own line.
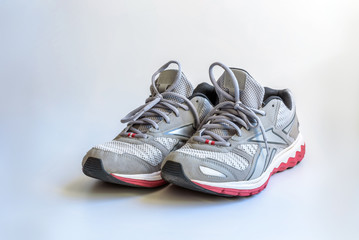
point(251, 134)
point(164, 123)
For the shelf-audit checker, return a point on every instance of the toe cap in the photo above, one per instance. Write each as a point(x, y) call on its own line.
point(120, 163)
point(192, 168)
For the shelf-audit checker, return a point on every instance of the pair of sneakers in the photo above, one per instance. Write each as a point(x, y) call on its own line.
point(226, 139)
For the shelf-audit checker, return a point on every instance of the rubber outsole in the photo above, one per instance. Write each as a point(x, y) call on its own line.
point(93, 167)
point(173, 173)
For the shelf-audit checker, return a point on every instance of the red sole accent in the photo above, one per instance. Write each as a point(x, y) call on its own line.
point(142, 183)
point(292, 161)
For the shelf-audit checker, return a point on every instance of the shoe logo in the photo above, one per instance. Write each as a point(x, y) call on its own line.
point(184, 131)
point(272, 137)
point(263, 161)
point(289, 126)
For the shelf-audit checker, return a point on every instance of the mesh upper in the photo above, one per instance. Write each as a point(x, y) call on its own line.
point(231, 159)
point(250, 149)
point(183, 87)
point(252, 94)
point(284, 114)
point(146, 152)
point(168, 143)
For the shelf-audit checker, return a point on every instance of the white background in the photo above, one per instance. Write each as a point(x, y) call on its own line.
point(70, 70)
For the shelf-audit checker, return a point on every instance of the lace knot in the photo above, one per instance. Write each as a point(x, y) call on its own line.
point(237, 105)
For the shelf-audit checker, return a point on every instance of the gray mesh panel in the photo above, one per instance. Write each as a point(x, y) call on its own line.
point(146, 152)
point(228, 158)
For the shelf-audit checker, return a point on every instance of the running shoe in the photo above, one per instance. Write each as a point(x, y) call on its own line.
point(251, 134)
point(164, 123)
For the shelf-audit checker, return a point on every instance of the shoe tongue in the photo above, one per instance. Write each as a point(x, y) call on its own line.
point(166, 79)
point(251, 92)
point(163, 83)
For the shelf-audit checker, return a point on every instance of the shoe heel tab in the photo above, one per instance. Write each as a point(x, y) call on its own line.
point(207, 91)
point(285, 95)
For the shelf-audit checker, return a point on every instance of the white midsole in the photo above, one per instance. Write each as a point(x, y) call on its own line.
point(148, 177)
point(281, 157)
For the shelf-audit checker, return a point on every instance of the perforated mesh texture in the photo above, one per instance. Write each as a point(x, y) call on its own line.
point(224, 132)
point(183, 87)
point(252, 94)
point(230, 158)
point(168, 143)
point(250, 149)
point(284, 115)
point(146, 152)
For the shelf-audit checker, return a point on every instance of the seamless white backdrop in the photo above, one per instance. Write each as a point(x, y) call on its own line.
point(70, 70)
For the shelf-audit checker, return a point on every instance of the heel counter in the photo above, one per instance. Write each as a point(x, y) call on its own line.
point(291, 126)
